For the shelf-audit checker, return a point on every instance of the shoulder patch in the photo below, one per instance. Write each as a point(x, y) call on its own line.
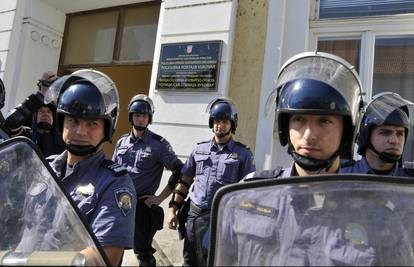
point(116, 168)
point(241, 144)
point(158, 137)
point(123, 197)
point(203, 142)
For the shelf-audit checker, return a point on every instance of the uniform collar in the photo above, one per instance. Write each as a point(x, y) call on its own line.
point(80, 167)
point(392, 172)
point(230, 144)
point(145, 137)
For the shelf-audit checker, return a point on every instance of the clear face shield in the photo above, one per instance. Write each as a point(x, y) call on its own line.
point(105, 85)
point(391, 109)
point(143, 98)
point(326, 68)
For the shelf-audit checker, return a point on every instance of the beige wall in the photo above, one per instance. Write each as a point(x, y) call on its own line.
point(247, 66)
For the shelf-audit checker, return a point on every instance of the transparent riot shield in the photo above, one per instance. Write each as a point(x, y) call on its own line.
point(39, 225)
point(325, 220)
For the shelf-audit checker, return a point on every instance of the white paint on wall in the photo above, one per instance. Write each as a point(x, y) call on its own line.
point(181, 116)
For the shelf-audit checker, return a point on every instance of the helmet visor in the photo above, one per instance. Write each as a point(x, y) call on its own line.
point(324, 67)
point(105, 85)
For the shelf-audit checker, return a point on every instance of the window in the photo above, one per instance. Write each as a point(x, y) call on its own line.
point(112, 36)
point(363, 8)
point(394, 65)
point(347, 49)
point(380, 48)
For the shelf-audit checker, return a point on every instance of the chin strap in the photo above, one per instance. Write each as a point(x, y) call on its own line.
point(83, 150)
point(221, 134)
point(384, 156)
point(140, 128)
point(311, 164)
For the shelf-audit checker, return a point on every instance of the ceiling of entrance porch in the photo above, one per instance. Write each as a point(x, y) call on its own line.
point(71, 6)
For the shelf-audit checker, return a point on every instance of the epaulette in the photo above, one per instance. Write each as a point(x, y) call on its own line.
point(116, 168)
point(124, 135)
point(260, 175)
point(158, 137)
point(346, 163)
point(242, 145)
point(203, 142)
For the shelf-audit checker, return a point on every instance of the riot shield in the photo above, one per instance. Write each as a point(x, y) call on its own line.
point(39, 223)
point(324, 220)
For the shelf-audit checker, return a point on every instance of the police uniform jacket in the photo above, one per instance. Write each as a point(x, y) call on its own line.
point(362, 166)
point(213, 167)
point(145, 159)
point(104, 194)
point(304, 232)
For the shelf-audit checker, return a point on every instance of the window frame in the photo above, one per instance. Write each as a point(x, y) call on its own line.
point(121, 10)
point(367, 28)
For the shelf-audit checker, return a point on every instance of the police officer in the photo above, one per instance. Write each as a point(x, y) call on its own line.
point(87, 113)
point(145, 154)
point(43, 130)
point(319, 102)
point(211, 165)
point(317, 113)
point(383, 133)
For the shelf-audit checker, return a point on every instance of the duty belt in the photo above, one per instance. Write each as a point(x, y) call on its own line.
point(197, 209)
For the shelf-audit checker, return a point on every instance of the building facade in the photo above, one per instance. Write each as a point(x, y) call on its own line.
point(125, 39)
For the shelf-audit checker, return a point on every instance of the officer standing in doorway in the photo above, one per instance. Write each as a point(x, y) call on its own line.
point(383, 133)
point(211, 165)
point(87, 113)
point(145, 155)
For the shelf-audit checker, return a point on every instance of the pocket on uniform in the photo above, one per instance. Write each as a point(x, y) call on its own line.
point(202, 162)
point(247, 224)
point(87, 203)
point(229, 172)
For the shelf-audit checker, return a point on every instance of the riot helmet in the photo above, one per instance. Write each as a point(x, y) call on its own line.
point(2, 94)
point(141, 104)
point(86, 94)
point(317, 83)
point(384, 109)
point(222, 108)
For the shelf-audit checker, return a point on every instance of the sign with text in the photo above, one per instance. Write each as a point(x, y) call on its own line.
point(191, 66)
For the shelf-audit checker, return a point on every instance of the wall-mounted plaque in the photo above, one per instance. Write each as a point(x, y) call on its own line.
point(189, 66)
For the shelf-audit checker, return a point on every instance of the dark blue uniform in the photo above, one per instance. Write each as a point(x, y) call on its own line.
point(285, 227)
point(145, 159)
point(212, 167)
point(105, 196)
point(361, 166)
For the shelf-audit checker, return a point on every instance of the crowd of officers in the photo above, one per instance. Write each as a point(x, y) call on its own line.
point(319, 115)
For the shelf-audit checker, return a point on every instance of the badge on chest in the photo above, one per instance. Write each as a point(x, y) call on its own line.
point(85, 190)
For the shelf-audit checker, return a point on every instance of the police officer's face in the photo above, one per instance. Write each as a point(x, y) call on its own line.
point(82, 132)
point(221, 126)
point(140, 119)
point(44, 114)
point(315, 136)
point(388, 138)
